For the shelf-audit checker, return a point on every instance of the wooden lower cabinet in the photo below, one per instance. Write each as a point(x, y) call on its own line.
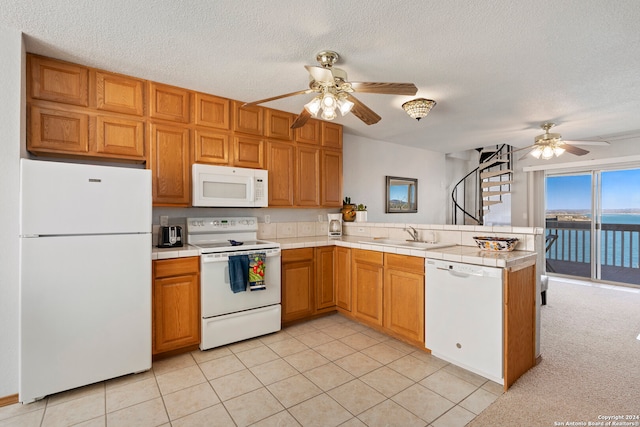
point(519, 322)
point(367, 284)
point(342, 275)
point(404, 296)
point(325, 283)
point(297, 284)
point(176, 304)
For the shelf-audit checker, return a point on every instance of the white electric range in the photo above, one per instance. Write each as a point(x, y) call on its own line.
point(229, 316)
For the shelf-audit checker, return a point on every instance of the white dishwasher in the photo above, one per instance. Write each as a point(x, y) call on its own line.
point(463, 316)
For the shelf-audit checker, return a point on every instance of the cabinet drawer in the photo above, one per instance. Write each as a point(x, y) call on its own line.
point(176, 267)
point(403, 262)
point(291, 255)
point(371, 257)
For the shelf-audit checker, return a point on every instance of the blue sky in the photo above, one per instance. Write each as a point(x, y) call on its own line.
point(620, 190)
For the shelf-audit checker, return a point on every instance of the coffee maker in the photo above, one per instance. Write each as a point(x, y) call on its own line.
point(335, 225)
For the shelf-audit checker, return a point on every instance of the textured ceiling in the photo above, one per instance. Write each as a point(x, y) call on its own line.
point(496, 68)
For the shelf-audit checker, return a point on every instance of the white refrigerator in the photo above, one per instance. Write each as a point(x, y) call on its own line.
point(85, 275)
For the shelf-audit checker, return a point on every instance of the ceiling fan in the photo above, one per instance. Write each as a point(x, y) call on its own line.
point(335, 92)
point(550, 144)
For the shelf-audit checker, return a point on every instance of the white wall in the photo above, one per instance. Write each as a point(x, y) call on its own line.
point(11, 135)
point(523, 203)
point(367, 162)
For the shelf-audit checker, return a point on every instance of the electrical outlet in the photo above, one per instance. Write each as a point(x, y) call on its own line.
point(267, 219)
point(320, 217)
point(164, 220)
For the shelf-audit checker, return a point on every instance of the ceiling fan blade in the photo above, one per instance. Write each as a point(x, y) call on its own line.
point(574, 150)
point(300, 92)
point(526, 154)
point(385, 88)
point(363, 112)
point(320, 74)
point(576, 142)
point(301, 119)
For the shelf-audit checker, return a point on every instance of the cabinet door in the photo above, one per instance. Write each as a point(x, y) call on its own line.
point(278, 124)
point(58, 131)
point(280, 164)
point(297, 290)
point(248, 152)
point(169, 162)
point(120, 137)
point(404, 304)
point(331, 178)
point(325, 287)
point(119, 94)
point(176, 312)
point(331, 135)
point(307, 176)
point(343, 277)
point(58, 81)
point(169, 103)
point(211, 147)
point(248, 119)
point(519, 322)
point(212, 111)
point(310, 133)
point(367, 280)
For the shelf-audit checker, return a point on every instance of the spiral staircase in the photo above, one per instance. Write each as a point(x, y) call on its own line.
point(485, 186)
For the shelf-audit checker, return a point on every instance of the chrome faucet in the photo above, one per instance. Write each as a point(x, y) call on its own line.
point(412, 232)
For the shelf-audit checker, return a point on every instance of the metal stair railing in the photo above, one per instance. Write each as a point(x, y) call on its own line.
point(472, 180)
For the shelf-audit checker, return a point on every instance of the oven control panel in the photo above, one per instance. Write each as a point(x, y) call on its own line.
point(212, 225)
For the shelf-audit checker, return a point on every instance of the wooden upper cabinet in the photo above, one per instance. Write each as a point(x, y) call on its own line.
point(280, 164)
point(331, 135)
point(279, 124)
point(212, 111)
point(307, 176)
point(331, 178)
point(310, 133)
point(170, 165)
point(58, 81)
point(248, 152)
point(119, 94)
point(119, 136)
point(248, 119)
point(57, 130)
point(169, 103)
point(211, 147)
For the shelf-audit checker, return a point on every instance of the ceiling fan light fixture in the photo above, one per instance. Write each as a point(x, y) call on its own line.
point(329, 114)
point(418, 108)
point(537, 152)
point(547, 153)
point(558, 151)
point(345, 106)
point(313, 106)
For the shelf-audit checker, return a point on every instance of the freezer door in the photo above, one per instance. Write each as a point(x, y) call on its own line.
point(85, 311)
point(67, 198)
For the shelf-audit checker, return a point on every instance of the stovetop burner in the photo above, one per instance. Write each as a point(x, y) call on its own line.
point(213, 235)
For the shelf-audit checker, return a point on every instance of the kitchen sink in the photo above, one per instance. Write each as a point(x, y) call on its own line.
point(408, 244)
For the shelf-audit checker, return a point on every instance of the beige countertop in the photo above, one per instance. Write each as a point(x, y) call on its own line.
point(457, 253)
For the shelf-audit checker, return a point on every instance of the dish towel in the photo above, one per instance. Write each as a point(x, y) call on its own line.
point(238, 272)
point(256, 271)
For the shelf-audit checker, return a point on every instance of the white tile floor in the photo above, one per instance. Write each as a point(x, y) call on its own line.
point(326, 372)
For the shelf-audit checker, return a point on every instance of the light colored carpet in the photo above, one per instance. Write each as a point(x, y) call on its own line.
point(590, 361)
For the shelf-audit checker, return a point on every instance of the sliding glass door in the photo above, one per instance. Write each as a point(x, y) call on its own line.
point(569, 224)
point(620, 230)
point(593, 225)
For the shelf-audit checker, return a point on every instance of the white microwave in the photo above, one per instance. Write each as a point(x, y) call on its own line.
point(227, 186)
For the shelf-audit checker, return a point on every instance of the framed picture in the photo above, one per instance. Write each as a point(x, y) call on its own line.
point(401, 195)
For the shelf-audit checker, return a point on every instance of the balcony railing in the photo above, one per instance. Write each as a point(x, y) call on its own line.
point(571, 252)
